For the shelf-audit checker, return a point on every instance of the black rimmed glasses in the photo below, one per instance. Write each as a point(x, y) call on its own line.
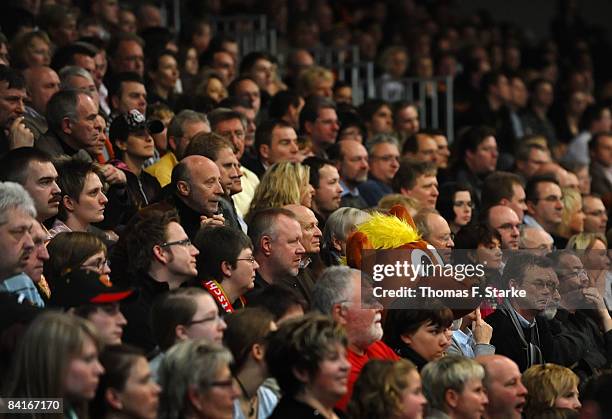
point(184, 242)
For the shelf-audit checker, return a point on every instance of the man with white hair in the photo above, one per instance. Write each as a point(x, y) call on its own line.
point(338, 293)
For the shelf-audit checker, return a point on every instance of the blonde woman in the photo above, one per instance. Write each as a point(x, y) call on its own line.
point(283, 184)
point(573, 216)
point(387, 389)
point(550, 385)
point(595, 259)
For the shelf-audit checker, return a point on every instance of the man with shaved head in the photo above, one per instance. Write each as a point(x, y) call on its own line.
point(304, 282)
point(504, 220)
point(196, 192)
point(504, 388)
point(41, 83)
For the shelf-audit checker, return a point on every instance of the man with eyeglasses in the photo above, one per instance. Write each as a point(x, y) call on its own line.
point(582, 327)
point(384, 163)
point(519, 330)
point(160, 258)
point(596, 214)
point(504, 220)
point(544, 205)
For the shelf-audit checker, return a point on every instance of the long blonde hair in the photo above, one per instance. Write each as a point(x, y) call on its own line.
point(282, 184)
point(572, 201)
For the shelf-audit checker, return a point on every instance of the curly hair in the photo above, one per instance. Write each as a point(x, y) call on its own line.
point(378, 390)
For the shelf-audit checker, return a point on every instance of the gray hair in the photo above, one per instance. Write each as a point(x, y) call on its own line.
point(333, 287)
point(420, 221)
point(341, 223)
point(381, 138)
point(175, 128)
point(72, 71)
point(191, 363)
point(62, 105)
point(450, 372)
point(13, 196)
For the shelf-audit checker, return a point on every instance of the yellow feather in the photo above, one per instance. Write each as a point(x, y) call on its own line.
point(388, 231)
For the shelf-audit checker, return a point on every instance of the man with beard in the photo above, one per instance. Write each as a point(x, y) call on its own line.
point(506, 392)
point(325, 180)
point(338, 293)
point(351, 159)
point(583, 339)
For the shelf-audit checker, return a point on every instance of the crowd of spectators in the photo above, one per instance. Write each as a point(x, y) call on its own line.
point(175, 212)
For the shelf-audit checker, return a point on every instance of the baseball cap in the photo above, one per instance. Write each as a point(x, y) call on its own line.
point(133, 121)
point(80, 287)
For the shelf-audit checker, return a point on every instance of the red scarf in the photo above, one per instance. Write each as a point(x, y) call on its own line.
point(218, 293)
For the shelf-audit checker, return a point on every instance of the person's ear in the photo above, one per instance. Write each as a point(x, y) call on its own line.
point(264, 151)
point(121, 145)
point(407, 339)
point(451, 397)
point(112, 398)
point(183, 188)
point(193, 396)
point(336, 244)
point(66, 125)
point(301, 375)
point(266, 245)
point(338, 313)
point(68, 203)
point(159, 254)
point(308, 127)
point(513, 283)
point(226, 268)
point(180, 331)
point(258, 351)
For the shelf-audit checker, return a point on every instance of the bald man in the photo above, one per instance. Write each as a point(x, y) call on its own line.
point(534, 238)
point(41, 83)
point(197, 190)
point(504, 388)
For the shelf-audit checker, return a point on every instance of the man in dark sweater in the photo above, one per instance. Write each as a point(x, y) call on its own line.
point(520, 331)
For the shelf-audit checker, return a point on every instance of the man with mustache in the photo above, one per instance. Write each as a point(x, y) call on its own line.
point(338, 293)
point(33, 170)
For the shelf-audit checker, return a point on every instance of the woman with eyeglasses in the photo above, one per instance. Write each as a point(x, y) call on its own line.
point(184, 314)
point(245, 337)
point(76, 251)
point(455, 203)
point(197, 382)
point(226, 271)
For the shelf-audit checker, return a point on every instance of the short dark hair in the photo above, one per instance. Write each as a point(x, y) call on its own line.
point(153, 62)
point(249, 60)
point(263, 133)
point(280, 102)
point(62, 104)
point(519, 262)
point(312, 107)
point(489, 79)
point(13, 77)
point(231, 89)
point(171, 309)
point(469, 237)
point(405, 320)
point(316, 164)
point(221, 115)
point(370, 107)
point(498, 186)
point(149, 230)
point(116, 40)
point(14, 165)
point(525, 147)
point(72, 172)
point(65, 55)
point(277, 299)
point(117, 80)
point(594, 143)
point(472, 138)
point(408, 173)
point(531, 190)
point(245, 328)
point(211, 255)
